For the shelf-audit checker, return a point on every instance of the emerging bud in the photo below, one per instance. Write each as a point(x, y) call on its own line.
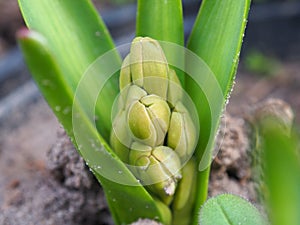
point(148, 120)
point(119, 137)
point(159, 167)
point(146, 60)
point(182, 132)
point(175, 91)
point(153, 131)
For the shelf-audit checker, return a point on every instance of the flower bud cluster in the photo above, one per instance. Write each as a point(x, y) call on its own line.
point(153, 132)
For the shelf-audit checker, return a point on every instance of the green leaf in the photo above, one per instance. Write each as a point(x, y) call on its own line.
point(76, 36)
point(162, 20)
point(57, 67)
point(47, 75)
point(50, 80)
point(282, 174)
point(229, 209)
point(216, 38)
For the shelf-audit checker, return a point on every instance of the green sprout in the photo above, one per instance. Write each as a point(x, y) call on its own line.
point(145, 127)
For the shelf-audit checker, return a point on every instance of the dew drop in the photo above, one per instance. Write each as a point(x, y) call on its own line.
point(57, 108)
point(120, 171)
point(98, 33)
point(98, 149)
point(66, 110)
point(46, 82)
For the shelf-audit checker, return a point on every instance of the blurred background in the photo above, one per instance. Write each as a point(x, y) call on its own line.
point(269, 59)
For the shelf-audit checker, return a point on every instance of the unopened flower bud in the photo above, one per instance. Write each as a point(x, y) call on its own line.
point(148, 120)
point(182, 132)
point(120, 139)
point(175, 91)
point(158, 168)
point(148, 67)
point(153, 131)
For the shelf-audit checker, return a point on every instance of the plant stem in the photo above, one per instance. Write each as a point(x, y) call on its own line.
point(202, 185)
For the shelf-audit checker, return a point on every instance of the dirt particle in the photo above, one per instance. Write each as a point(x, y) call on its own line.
point(14, 184)
point(15, 198)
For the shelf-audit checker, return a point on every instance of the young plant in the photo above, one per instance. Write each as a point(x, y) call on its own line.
point(282, 174)
point(229, 209)
point(143, 144)
point(277, 168)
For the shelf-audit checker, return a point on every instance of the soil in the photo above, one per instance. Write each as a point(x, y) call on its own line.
point(46, 183)
point(38, 184)
point(251, 89)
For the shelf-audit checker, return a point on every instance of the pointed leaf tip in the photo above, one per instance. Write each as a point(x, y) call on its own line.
point(23, 33)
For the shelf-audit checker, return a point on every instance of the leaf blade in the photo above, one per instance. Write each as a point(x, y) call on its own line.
point(229, 209)
point(220, 51)
point(43, 66)
point(282, 174)
point(162, 20)
point(75, 41)
point(217, 37)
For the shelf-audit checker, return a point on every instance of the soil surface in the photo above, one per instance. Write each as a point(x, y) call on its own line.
point(55, 186)
point(251, 89)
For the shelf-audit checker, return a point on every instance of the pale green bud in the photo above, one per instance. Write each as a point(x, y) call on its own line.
point(182, 132)
point(175, 91)
point(158, 168)
point(134, 94)
point(120, 139)
point(152, 115)
point(139, 154)
point(125, 77)
point(184, 198)
point(148, 67)
point(148, 120)
point(185, 191)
